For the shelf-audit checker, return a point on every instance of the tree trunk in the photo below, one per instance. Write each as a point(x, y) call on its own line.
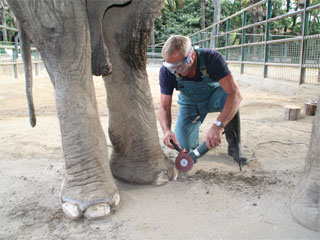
point(137, 155)
point(288, 5)
point(254, 31)
point(305, 203)
point(4, 23)
point(203, 20)
point(215, 30)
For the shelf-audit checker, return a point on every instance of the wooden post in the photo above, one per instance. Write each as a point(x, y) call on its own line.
point(292, 112)
point(310, 108)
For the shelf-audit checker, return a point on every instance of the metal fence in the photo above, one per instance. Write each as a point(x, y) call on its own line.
point(11, 64)
point(287, 57)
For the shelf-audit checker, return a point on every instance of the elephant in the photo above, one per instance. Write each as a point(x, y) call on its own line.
point(77, 39)
point(305, 202)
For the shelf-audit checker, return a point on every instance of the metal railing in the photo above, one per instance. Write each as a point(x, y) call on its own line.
point(292, 58)
point(11, 64)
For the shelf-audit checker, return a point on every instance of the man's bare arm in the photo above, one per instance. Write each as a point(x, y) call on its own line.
point(166, 119)
point(233, 100)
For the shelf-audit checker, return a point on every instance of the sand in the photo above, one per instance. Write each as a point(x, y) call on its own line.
point(212, 201)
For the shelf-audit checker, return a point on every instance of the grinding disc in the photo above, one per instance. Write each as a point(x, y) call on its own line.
point(184, 162)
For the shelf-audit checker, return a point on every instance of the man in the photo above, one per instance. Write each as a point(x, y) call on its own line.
point(206, 85)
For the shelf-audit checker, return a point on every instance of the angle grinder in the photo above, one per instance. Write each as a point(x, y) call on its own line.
point(184, 161)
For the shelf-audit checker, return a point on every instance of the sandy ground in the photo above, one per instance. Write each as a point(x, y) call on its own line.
point(213, 201)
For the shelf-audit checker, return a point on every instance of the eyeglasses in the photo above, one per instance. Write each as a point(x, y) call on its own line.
point(179, 67)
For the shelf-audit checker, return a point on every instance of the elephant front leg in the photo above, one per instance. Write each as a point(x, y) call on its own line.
point(60, 31)
point(137, 156)
point(89, 188)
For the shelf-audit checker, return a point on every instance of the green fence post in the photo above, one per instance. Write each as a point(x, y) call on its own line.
point(215, 37)
point(243, 41)
point(267, 38)
point(200, 38)
point(207, 37)
point(304, 32)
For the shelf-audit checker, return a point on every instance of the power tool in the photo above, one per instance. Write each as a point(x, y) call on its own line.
point(184, 161)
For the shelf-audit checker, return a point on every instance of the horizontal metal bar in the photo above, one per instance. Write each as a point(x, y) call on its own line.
point(8, 28)
point(10, 63)
point(316, 36)
point(276, 64)
point(18, 63)
point(13, 47)
point(282, 64)
point(263, 43)
point(311, 65)
point(265, 21)
point(262, 22)
point(285, 15)
point(235, 62)
point(254, 24)
point(285, 40)
point(308, 9)
point(154, 54)
point(252, 63)
point(234, 15)
point(228, 47)
point(7, 46)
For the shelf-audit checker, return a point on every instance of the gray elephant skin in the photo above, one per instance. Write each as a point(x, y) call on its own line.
point(305, 203)
point(78, 39)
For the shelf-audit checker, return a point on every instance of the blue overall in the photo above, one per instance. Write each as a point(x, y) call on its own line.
point(207, 95)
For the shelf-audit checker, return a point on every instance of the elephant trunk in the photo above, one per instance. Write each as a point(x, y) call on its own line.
point(26, 56)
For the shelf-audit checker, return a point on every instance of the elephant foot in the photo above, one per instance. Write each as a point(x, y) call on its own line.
point(305, 202)
point(157, 174)
point(91, 198)
point(72, 211)
point(162, 178)
point(96, 211)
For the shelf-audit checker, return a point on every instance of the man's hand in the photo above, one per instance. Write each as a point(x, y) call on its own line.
point(213, 138)
point(169, 135)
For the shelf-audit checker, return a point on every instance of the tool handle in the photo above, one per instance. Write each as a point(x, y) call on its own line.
point(175, 146)
point(202, 148)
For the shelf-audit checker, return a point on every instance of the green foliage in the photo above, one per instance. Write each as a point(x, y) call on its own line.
point(186, 20)
point(9, 21)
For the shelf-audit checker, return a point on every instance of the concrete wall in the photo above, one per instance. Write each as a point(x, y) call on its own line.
point(16, 71)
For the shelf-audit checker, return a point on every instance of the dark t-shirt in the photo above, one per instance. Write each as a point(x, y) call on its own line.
point(216, 67)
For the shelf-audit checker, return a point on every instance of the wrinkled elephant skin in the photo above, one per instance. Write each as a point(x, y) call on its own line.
point(70, 36)
point(305, 203)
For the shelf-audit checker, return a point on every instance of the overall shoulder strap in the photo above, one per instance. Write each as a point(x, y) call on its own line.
point(203, 68)
point(179, 81)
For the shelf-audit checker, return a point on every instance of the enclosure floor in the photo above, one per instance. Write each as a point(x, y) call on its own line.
point(213, 201)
